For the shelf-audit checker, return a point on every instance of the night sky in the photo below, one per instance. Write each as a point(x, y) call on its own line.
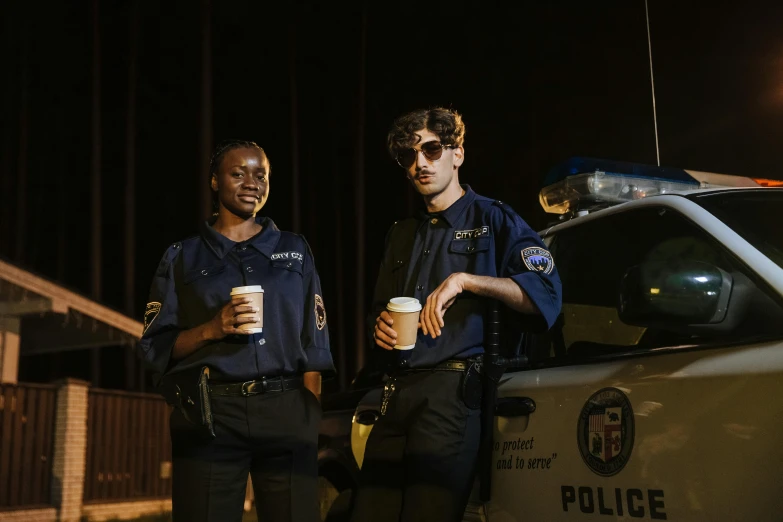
point(535, 84)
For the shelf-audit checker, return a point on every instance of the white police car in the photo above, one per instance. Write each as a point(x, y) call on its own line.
point(659, 393)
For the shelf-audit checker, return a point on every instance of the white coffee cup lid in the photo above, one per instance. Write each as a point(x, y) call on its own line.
point(403, 304)
point(239, 290)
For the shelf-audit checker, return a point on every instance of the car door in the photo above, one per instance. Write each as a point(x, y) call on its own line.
point(648, 403)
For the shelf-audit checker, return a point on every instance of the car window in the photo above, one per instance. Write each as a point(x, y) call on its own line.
point(753, 214)
point(594, 258)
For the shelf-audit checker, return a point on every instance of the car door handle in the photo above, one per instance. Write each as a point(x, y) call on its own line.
point(367, 417)
point(514, 406)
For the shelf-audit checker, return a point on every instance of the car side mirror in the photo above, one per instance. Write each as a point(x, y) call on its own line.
point(675, 294)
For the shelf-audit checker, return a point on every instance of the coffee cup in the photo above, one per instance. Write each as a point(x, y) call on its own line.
point(404, 312)
point(256, 294)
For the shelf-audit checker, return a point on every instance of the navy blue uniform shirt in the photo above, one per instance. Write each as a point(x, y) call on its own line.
point(194, 281)
point(476, 235)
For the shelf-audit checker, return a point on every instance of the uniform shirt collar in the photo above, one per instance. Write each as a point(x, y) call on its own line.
point(452, 214)
point(265, 241)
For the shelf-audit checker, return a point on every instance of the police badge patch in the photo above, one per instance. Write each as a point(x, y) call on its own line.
point(538, 260)
point(606, 432)
point(150, 313)
point(320, 312)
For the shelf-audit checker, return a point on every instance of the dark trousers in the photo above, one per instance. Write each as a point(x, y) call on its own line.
point(420, 458)
point(272, 436)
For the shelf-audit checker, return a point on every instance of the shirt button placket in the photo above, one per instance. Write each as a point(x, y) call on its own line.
point(426, 266)
point(245, 270)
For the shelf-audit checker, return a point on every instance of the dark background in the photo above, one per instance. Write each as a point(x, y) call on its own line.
point(318, 86)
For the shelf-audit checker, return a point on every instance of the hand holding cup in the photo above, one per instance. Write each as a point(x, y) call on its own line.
point(234, 315)
point(249, 321)
point(398, 325)
point(385, 336)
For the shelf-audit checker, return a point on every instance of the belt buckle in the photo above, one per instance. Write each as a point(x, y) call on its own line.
point(255, 387)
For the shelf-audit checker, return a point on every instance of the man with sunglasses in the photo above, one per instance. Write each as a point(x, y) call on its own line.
point(420, 458)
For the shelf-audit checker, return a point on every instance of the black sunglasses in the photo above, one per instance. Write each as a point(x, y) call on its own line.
point(432, 150)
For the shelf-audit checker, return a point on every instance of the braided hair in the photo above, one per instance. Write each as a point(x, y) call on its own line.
point(217, 158)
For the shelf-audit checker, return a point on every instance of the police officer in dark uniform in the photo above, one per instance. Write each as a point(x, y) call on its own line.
point(245, 403)
point(420, 458)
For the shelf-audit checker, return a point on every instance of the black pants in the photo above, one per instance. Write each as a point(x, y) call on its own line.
point(420, 458)
point(272, 436)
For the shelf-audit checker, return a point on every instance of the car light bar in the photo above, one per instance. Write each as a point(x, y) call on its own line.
point(581, 183)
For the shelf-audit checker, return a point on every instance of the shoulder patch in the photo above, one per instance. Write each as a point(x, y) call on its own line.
point(150, 313)
point(320, 312)
point(538, 259)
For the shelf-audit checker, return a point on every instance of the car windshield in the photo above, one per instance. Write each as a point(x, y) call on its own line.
point(756, 215)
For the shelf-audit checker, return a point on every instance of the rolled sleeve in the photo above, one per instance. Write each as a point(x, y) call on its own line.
point(161, 325)
point(544, 291)
point(315, 331)
point(527, 261)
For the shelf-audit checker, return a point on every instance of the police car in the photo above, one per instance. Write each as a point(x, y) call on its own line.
point(658, 395)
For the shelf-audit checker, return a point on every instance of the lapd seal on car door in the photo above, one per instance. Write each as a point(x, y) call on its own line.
point(605, 432)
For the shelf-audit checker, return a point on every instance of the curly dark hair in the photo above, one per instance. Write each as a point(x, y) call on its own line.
point(217, 157)
point(446, 123)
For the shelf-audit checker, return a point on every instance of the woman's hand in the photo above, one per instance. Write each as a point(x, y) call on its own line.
point(226, 322)
point(223, 324)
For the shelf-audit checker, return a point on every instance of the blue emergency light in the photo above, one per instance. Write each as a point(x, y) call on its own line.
point(586, 183)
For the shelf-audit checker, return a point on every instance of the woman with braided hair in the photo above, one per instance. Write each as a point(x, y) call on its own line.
point(244, 402)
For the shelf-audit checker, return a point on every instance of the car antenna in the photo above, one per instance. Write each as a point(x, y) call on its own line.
point(652, 83)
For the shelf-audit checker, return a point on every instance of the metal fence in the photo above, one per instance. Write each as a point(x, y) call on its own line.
point(128, 447)
point(26, 442)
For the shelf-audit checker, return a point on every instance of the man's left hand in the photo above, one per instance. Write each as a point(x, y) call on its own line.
point(439, 301)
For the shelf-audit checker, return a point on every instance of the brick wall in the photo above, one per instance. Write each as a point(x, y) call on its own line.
point(92, 512)
point(124, 510)
point(70, 446)
point(68, 470)
point(29, 515)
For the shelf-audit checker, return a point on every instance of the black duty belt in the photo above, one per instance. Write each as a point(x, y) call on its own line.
point(452, 365)
point(263, 385)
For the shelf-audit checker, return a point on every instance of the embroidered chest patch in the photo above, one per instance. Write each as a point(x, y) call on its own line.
point(288, 255)
point(471, 234)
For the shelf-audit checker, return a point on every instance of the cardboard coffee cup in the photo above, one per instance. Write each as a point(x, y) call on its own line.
point(404, 312)
point(256, 293)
